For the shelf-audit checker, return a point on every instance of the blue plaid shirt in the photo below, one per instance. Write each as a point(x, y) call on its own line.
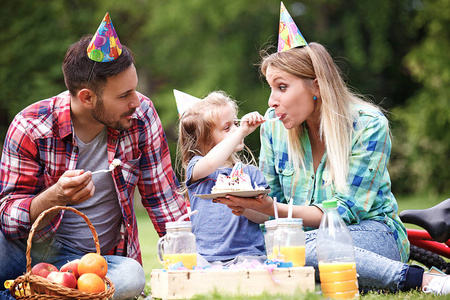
point(369, 196)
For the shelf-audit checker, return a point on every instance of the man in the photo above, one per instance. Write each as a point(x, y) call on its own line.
point(51, 150)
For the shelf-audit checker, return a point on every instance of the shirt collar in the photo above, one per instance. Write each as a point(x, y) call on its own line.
point(62, 111)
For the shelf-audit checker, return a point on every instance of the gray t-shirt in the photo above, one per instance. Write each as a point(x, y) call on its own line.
point(102, 209)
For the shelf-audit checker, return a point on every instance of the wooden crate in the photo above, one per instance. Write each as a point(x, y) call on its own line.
point(184, 284)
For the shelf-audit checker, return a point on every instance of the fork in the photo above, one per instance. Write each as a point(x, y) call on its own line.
point(267, 120)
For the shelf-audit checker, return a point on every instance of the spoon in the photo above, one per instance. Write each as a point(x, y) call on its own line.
point(116, 162)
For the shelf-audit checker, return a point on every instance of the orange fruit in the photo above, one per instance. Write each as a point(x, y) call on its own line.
point(93, 263)
point(91, 283)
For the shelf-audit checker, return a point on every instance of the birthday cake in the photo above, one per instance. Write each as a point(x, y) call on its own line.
point(236, 181)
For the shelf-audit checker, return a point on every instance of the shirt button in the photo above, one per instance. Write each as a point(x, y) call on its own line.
point(361, 112)
point(75, 150)
point(113, 141)
point(312, 177)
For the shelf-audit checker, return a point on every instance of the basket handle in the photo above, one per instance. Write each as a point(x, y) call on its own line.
point(39, 218)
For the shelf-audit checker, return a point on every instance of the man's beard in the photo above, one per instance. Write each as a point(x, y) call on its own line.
point(100, 114)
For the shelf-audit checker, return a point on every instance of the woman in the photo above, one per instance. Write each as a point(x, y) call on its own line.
point(332, 144)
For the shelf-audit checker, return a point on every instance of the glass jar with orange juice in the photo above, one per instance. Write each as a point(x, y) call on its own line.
point(289, 241)
point(178, 245)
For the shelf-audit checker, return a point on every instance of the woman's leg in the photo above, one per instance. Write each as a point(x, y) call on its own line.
point(376, 255)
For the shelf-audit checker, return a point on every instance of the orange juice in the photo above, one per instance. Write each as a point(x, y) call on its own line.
point(336, 267)
point(294, 254)
point(338, 280)
point(339, 286)
point(189, 260)
point(342, 295)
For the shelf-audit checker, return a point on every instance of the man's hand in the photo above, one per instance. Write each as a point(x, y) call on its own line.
point(73, 187)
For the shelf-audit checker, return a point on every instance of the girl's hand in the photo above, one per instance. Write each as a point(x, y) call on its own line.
point(251, 121)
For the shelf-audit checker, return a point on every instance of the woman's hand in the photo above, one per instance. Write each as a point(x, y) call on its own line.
point(311, 214)
point(262, 203)
point(251, 214)
point(237, 210)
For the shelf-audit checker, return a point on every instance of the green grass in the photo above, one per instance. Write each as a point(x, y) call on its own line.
point(148, 239)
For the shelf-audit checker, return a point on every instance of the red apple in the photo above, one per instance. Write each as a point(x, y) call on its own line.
point(43, 269)
point(71, 266)
point(66, 279)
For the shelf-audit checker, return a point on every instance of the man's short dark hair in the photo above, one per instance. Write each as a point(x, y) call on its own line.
point(77, 67)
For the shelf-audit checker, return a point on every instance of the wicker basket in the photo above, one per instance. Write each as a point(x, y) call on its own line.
point(21, 287)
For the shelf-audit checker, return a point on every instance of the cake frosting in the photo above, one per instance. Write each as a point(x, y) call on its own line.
point(115, 163)
point(236, 181)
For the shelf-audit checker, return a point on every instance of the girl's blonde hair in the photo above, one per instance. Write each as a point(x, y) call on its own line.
point(196, 127)
point(337, 113)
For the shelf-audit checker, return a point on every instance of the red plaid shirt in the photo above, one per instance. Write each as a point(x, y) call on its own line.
point(40, 147)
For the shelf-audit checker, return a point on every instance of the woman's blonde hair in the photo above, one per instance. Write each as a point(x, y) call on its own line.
point(196, 127)
point(336, 111)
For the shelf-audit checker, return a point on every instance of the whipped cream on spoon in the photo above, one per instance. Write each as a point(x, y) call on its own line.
point(115, 163)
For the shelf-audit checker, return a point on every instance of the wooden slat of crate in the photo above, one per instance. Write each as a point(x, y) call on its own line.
point(185, 284)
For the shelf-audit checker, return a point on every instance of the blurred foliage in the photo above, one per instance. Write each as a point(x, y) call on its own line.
point(394, 51)
point(423, 138)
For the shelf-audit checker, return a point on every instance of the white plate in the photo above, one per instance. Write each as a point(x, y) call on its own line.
point(244, 194)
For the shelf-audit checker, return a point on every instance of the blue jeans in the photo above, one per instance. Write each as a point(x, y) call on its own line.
point(126, 273)
point(377, 256)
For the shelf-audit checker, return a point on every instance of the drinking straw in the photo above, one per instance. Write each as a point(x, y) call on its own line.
point(291, 204)
point(185, 216)
point(275, 209)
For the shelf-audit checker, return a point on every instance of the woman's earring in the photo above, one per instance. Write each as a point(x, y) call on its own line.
point(314, 98)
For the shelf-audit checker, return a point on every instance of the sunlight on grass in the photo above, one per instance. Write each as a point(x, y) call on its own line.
point(148, 239)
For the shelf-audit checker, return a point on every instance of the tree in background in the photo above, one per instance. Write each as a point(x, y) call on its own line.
point(198, 46)
point(423, 137)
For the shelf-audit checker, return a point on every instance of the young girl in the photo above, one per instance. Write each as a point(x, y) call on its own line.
point(209, 139)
